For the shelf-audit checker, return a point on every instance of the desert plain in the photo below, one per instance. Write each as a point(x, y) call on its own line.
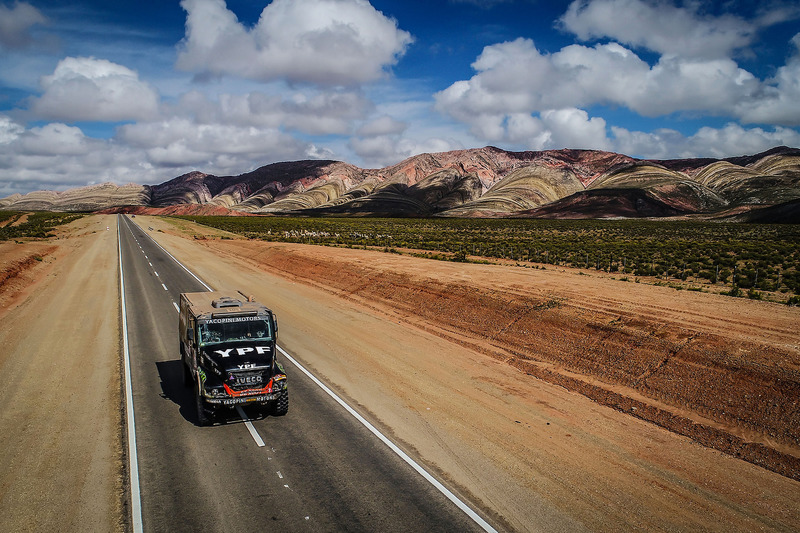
point(552, 399)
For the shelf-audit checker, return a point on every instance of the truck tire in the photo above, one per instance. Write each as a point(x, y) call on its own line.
point(281, 406)
point(187, 375)
point(202, 415)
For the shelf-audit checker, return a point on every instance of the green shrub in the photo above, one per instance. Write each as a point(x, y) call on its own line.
point(762, 256)
point(735, 291)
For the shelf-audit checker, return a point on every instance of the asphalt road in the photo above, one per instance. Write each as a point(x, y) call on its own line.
point(319, 469)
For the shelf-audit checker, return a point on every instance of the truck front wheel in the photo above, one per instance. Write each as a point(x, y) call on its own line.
point(202, 415)
point(281, 406)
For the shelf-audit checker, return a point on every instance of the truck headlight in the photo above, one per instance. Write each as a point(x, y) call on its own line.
point(278, 383)
point(215, 392)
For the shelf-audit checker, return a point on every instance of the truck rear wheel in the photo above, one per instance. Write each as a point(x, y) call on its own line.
point(281, 406)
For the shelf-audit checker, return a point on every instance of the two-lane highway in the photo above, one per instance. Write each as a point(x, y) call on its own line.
point(316, 469)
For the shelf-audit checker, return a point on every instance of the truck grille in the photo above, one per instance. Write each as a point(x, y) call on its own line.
point(246, 380)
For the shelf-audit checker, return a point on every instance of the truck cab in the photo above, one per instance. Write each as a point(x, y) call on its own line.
point(228, 349)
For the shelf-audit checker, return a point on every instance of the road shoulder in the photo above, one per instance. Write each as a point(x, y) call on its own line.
point(60, 427)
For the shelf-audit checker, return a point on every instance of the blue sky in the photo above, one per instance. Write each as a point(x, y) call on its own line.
point(140, 92)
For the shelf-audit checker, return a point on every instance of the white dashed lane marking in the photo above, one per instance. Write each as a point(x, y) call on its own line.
point(250, 427)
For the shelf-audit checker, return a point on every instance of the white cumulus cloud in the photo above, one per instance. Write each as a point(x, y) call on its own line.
point(515, 77)
point(553, 128)
point(778, 101)
point(515, 82)
point(383, 125)
point(57, 156)
point(668, 29)
point(56, 139)
point(383, 150)
point(89, 89)
point(313, 112)
point(325, 42)
point(730, 140)
point(16, 23)
point(9, 130)
point(573, 127)
point(181, 142)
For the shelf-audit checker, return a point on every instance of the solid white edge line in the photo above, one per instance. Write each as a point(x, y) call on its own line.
point(250, 427)
point(421, 471)
point(133, 459)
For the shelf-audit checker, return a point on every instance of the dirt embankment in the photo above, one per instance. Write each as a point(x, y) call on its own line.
point(20, 266)
point(724, 372)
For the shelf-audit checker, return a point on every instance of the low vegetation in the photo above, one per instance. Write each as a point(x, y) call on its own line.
point(742, 259)
point(13, 225)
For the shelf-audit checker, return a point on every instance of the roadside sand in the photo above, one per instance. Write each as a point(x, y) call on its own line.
point(542, 457)
point(60, 423)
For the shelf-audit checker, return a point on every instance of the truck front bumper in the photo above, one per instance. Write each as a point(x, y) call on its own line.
point(259, 398)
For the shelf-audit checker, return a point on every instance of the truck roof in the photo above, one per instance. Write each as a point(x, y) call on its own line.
point(218, 303)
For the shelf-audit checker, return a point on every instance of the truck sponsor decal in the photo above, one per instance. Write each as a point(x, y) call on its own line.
point(234, 401)
point(228, 320)
point(260, 350)
point(248, 380)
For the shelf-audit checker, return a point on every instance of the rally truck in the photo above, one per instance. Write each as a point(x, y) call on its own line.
point(228, 354)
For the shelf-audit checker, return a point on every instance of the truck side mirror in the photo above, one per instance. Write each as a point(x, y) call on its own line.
point(276, 323)
point(190, 334)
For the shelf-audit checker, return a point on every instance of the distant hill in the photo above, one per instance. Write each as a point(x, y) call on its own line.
point(483, 182)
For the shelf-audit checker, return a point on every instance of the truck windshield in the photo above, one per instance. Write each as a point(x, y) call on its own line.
point(219, 330)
